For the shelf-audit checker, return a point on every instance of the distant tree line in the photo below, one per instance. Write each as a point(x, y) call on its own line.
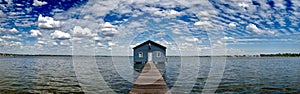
point(281, 55)
point(260, 55)
point(8, 54)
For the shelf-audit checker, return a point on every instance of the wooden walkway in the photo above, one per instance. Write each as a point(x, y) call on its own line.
point(150, 81)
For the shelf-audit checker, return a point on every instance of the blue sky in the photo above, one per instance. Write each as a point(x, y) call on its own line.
point(185, 27)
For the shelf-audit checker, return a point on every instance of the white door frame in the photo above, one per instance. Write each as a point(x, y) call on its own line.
point(149, 56)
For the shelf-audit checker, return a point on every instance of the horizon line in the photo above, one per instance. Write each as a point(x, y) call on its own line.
point(261, 54)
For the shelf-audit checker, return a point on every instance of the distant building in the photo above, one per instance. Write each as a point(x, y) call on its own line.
point(149, 51)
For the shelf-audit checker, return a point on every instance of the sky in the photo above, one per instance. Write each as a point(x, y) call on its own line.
point(114, 27)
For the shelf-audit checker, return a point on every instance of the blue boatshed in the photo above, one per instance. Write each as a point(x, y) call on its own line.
point(149, 51)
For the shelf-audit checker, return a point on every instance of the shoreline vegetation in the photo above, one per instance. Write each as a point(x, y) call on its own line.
point(260, 55)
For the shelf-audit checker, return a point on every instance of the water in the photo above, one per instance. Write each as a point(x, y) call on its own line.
point(51, 74)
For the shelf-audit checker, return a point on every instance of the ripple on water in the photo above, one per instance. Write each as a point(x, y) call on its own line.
point(241, 75)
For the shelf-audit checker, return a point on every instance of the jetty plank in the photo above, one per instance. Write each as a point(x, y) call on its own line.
point(150, 81)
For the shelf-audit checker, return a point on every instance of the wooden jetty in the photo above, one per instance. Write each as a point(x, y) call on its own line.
point(150, 81)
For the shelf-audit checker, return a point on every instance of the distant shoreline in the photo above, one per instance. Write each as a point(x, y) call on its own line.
point(260, 55)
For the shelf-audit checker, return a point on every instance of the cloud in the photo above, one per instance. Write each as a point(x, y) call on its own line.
point(280, 4)
point(108, 38)
point(65, 43)
point(168, 13)
point(10, 37)
point(81, 32)
point(185, 45)
point(269, 32)
point(203, 14)
point(9, 2)
point(165, 43)
point(176, 31)
point(39, 3)
point(14, 30)
point(203, 23)
point(2, 14)
point(47, 22)
point(229, 39)
point(218, 44)
point(60, 35)
point(191, 39)
point(1, 40)
point(92, 14)
point(243, 5)
point(108, 30)
point(41, 42)
point(100, 44)
point(254, 29)
point(96, 38)
point(2, 30)
point(232, 25)
point(15, 44)
point(111, 43)
point(107, 25)
point(54, 43)
point(35, 33)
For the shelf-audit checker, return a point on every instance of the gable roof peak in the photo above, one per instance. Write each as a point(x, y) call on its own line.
point(151, 42)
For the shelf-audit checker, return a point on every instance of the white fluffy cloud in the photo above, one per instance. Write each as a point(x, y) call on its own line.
point(47, 22)
point(14, 30)
point(10, 37)
point(203, 23)
point(78, 31)
point(254, 29)
point(35, 33)
point(111, 43)
point(39, 3)
point(107, 25)
point(60, 35)
point(108, 30)
point(100, 44)
point(4, 30)
point(191, 39)
point(15, 44)
point(168, 13)
point(96, 38)
point(41, 42)
point(232, 25)
point(243, 5)
point(229, 39)
point(54, 43)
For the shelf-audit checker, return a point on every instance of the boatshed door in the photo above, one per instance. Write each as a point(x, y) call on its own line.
point(149, 56)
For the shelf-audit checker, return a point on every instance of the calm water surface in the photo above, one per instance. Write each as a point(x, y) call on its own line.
point(46, 74)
